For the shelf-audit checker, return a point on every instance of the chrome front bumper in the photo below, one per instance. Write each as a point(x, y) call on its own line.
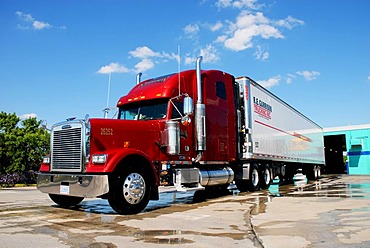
point(74, 185)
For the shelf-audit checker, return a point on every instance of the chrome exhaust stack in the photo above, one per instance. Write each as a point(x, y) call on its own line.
point(200, 114)
point(138, 78)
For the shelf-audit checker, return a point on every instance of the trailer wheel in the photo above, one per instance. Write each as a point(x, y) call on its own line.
point(130, 191)
point(66, 201)
point(254, 176)
point(266, 177)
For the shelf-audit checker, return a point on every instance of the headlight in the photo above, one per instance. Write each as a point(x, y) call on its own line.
point(99, 158)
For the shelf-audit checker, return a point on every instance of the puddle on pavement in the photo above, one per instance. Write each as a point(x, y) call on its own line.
point(329, 186)
point(163, 237)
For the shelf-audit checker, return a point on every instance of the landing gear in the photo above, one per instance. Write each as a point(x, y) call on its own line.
point(313, 172)
point(287, 173)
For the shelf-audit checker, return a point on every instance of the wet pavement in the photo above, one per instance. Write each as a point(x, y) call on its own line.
point(331, 212)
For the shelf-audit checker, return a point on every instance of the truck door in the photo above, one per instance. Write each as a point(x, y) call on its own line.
point(218, 96)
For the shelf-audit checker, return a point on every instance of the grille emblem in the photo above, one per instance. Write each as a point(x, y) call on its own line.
point(66, 126)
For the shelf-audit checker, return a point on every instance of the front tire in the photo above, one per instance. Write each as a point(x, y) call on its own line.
point(129, 192)
point(66, 201)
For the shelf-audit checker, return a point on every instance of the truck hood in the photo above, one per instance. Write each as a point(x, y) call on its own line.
point(109, 135)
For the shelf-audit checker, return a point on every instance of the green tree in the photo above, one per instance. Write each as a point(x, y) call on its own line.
point(8, 123)
point(22, 144)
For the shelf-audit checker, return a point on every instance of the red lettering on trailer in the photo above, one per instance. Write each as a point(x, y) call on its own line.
point(262, 111)
point(246, 93)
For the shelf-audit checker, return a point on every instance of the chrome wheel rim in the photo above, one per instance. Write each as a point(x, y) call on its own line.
point(134, 188)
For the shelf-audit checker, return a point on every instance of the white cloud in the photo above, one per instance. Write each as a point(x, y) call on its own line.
point(144, 65)
point(239, 4)
point(215, 27)
point(221, 39)
point(41, 25)
point(189, 59)
point(144, 52)
point(289, 22)
point(191, 30)
point(148, 59)
point(27, 116)
point(368, 78)
point(270, 82)
point(289, 78)
point(223, 3)
point(31, 23)
point(308, 75)
point(210, 55)
point(25, 17)
point(113, 68)
point(261, 54)
point(247, 27)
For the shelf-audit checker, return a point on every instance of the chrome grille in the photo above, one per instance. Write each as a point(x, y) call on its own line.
point(66, 148)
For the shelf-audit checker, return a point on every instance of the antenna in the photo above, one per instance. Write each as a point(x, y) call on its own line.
point(179, 65)
point(110, 74)
point(106, 110)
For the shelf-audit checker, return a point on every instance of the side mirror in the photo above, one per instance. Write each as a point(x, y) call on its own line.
point(188, 105)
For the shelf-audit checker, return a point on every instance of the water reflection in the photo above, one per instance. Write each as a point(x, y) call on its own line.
point(327, 186)
point(279, 188)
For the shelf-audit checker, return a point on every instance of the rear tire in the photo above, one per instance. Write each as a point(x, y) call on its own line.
point(130, 191)
point(253, 184)
point(254, 178)
point(266, 177)
point(66, 201)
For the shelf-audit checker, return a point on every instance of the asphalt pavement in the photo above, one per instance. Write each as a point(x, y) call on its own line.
point(331, 212)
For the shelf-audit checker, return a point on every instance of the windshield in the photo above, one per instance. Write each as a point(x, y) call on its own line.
point(148, 111)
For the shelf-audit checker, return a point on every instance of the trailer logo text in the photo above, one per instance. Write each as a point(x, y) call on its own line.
point(261, 108)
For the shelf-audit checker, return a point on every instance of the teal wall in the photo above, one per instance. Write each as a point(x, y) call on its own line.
point(358, 149)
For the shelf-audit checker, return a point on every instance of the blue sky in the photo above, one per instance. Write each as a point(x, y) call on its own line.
point(56, 56)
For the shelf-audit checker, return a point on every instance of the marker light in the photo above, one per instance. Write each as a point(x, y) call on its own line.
point(185, 120)
point(46, 160)
point(99, 158)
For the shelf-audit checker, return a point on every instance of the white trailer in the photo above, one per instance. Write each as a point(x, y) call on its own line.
point(275, 139)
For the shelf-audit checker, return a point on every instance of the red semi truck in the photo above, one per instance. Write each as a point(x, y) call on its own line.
point(194, 129)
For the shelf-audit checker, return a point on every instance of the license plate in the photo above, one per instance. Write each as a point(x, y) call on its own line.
point(64, 189)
